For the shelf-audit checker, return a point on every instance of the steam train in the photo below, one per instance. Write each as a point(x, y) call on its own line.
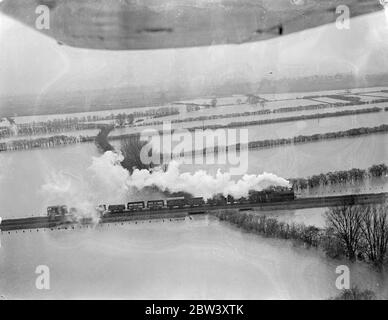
point(269, 195)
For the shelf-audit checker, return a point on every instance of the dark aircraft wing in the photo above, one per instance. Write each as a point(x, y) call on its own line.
point(155, 24)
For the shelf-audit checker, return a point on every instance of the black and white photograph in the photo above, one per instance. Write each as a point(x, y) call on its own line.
point(194, 150)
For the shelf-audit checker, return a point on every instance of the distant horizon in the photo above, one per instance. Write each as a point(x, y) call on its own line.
point(32, 63)
point(73, 90)
point(94, 104)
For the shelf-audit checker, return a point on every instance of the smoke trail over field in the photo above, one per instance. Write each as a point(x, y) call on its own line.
point(109, 172)
point(61, 188)
point(106, 181)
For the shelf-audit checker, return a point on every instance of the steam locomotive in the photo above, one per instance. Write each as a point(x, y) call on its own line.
point(272, 194)
point(57, 211)
point(62, 211)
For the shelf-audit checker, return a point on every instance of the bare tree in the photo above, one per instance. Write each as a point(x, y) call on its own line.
point(345, 220)
point(374, 228)
point(130, 148)
point(102, 139)
point(356, 294)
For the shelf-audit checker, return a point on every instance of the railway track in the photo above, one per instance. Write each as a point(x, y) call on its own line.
point(166, 213)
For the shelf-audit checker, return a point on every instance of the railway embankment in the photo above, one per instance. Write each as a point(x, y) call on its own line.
point(70, 222)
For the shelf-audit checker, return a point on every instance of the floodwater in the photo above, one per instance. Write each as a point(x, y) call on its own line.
point(191, 259)
point(275, 100)
point(303, 160)
point(229, 110)
point(201, 258)
point(24, 173)
point(283, 129)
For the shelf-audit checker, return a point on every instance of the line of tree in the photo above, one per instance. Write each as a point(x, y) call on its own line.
point(87, 122)
point(271, 227)
point(311, 107)
point(300, 117)
point(271, 143)
point(351, 231)
point(339, 177)
point(61, 125)
point(212, 117)
point(264, 111)
point(121, 119)
point(82, 123)
point(158, 112)
point(308, 138)
point(318, 137)
point(222, 116)
point(166, 111)
point(31, 129)
point(279, 120)
point(362, 231)
point(329, 105)
point(49, 142)
point(346, 98)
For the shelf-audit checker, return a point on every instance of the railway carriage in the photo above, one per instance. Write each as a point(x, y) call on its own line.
point(176, 203)
point(230, 199)
point(217, 200)
point(135, 206)
point(155, 204)
point(116, 208)
point(196, 202)
point(243, 200)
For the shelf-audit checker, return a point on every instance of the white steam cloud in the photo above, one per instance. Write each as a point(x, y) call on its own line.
point(14, 129)
point(107, 168)
point(64, 189)
point(107, 182)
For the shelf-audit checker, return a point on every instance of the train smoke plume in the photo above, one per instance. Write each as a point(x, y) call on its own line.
point(107, 169)
point(106, 181)
point(61, 188)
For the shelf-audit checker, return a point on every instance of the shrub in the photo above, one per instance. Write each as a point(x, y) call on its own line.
point(356, 294)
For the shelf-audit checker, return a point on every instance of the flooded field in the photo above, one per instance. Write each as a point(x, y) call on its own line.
point(242, 109)
point(279, 130)
point(199, 258)
point(303, 160)
point(295, 95)
point(130, 76)
point(313, 126)
point(227, 104)
point(66, 170)
point(190, 259)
